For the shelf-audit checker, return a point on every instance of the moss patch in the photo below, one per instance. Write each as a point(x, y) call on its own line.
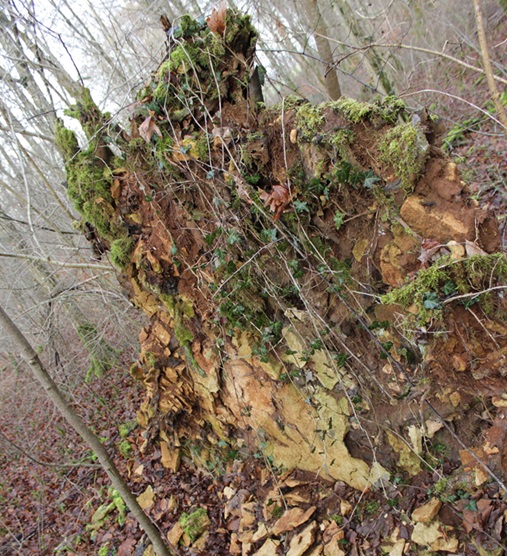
point(387, 109)
point(121, 252)
point(195, 524)
point(406, 149)
point(309, 120)
point(446, 278)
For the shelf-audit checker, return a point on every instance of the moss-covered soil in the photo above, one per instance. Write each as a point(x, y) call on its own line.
point(323, 292)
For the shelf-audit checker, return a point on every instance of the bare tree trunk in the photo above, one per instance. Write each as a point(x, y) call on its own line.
point(323, 48)
point(488, 68)
point(42, 375)
point(374, 62)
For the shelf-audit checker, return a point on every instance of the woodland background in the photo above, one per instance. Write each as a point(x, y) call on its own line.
point(65, 297)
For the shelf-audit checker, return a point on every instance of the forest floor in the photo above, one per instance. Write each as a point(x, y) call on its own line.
point(250, 507)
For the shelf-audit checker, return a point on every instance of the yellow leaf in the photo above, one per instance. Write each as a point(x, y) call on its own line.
point(360, 249)
point(170, 459)
point(146, 499)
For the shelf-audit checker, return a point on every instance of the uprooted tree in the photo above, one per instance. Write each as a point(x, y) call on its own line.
point(314, 276)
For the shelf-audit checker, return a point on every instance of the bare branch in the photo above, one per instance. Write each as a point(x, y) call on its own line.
point(48, 260)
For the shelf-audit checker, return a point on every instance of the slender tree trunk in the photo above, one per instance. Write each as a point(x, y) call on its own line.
point(488, 68)
point(374, 62)
point(42, 375)
point(324, 49)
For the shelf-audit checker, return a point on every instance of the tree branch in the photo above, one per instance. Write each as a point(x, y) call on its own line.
point(48, 260)
point(56, 396)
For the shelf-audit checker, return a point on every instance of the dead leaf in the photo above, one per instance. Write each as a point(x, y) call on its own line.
point(148, 128)
point(268, 548)
point(302, 541)
point(277, 200)
point(116, 189)
point(360, 249)
point(242, 189)
point(171, 459)
point(216, 21)
point(432, 427)
point(126, 548)
point(146, 499)
point(473, 249)
point(292, 519)
point(221, 135)
point(435, 537)
point(429, 248)
point(426, 512)
point(175, 534)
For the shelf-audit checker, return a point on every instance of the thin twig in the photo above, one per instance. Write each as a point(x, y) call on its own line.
point(49, 260)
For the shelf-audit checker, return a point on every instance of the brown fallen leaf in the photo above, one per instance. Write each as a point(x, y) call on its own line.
point(473, 249)
point(126, 548)
point(116, 189)
point(429, 248)
point(216, 21)
point(146, 499)
point(292, 519)
point(277, 200)
point(148, 128)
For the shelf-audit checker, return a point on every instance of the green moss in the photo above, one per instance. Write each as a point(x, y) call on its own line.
point(125, 449)
point(216, 46)
point(183, 334)
point(126, 428)
point(169, 302)
point(84, 177)
point(240, 34)
point(121, 252)
point(202, 148)
point(309, 120)
point(163, 147)
point(88, 178)
point(188, 27)
point(341, 138)
point(83, 106)
point(195, 524)
point(187, 56)
point(390, 108)
point(447, 277)
point(387, 109)
point(65, 141)
point(353, 110)
point(406, 149)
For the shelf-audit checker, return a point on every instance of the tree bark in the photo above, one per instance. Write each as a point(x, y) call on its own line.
point(488, 67)
point(323, 48)
point(53, 392)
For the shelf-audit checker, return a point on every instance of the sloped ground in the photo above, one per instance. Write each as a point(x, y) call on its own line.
point(255, 508)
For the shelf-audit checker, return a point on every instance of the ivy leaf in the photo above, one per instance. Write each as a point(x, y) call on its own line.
point(338, 219)
point(432, 301)
point(233, 237)
point(268, 236)
point(448, 288)
point(301, 206)
point(369, 180)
